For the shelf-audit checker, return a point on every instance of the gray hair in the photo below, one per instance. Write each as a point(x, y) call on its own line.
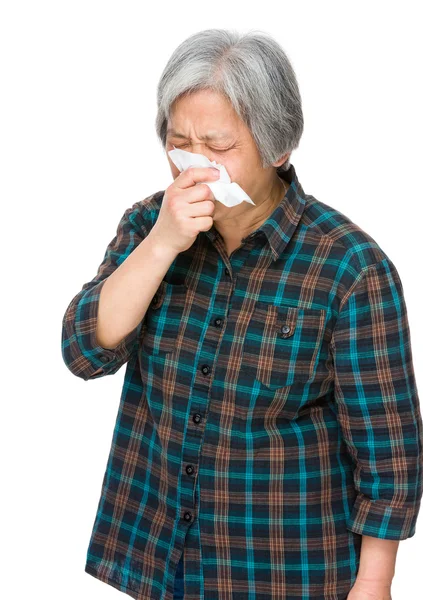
point(253, 72)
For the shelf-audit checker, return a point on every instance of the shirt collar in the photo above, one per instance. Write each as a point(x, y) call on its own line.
point(279, 227)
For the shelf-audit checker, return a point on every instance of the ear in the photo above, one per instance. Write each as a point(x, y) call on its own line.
point(281, 160)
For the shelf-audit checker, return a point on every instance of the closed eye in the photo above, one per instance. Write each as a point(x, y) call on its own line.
point(212, 149)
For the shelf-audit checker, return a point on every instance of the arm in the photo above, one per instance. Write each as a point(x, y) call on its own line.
point(377, 560)
point(102, 324)
point(377, 403)
point(379, 414)
point(376, 570)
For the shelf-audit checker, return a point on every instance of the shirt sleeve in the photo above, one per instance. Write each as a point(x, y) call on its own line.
point(81, 352)
point(377, 404)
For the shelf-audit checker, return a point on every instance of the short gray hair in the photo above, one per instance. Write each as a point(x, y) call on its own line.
point(253, 72)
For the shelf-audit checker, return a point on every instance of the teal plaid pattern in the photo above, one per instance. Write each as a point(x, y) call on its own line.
point(269, 415)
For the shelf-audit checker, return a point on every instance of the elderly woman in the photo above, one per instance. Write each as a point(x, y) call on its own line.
point(268, 438)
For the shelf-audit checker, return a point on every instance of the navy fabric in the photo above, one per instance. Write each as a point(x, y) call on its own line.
point(178, 591)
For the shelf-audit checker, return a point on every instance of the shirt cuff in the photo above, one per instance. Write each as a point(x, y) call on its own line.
point(95, 361)
point(380, 519)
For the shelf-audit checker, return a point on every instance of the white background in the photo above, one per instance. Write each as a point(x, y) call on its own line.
point(78, 147)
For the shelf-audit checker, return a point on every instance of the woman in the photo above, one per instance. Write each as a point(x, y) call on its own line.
point(268, 439)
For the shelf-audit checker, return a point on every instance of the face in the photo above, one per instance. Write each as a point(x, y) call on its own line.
point(206, 123)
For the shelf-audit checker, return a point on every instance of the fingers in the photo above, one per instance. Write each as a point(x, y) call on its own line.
point(193, 175)
point(202, 209)
point(198, 193)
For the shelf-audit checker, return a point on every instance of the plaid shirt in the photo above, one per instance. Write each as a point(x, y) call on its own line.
point(269, 413)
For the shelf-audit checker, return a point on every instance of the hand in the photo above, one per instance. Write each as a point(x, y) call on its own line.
point(187, 209)
point(370, 590)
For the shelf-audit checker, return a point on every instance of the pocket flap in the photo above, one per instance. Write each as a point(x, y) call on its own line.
point(282, 343)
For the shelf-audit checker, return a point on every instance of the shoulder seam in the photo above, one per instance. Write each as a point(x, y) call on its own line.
point(359, 279)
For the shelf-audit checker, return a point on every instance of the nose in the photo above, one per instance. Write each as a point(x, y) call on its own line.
point(199, 149)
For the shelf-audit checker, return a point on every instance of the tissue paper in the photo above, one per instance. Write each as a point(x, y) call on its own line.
point(227, 192)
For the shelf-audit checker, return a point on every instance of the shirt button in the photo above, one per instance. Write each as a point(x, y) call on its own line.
point(226, 271)
point(189, 469)
point(205, 369)
point(218, 322)
point(187, 516)
point(286, 329)
point(104, 358)
point(196, 418)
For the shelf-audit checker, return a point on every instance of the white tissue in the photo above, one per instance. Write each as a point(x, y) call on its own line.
point(227, 192)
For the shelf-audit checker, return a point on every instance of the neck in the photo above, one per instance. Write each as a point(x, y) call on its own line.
point(265, 208)
point(235, 228)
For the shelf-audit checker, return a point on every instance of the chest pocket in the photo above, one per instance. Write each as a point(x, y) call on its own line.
point(282, 344)
point(163, 319)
